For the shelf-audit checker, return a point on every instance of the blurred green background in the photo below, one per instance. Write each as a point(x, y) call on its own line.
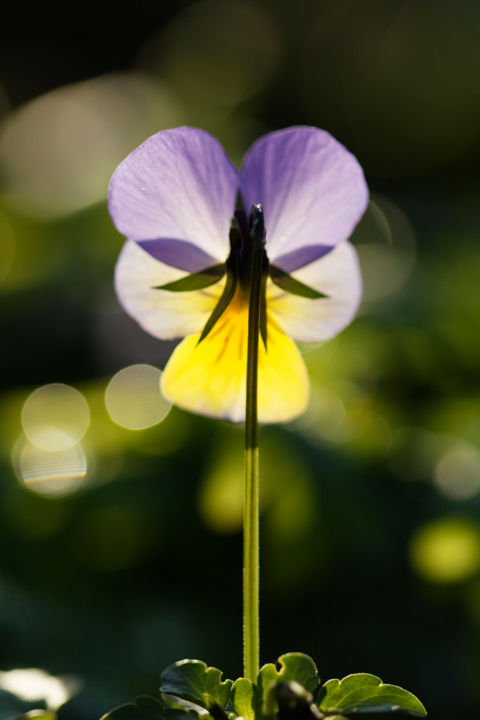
point(120, 521)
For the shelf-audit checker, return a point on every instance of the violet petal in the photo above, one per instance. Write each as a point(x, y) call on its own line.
point(178, 184)
point(178, 253)
point(312, 189)
point(291, 261)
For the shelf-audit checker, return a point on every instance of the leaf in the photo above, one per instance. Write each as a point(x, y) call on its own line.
point(37, 715)
point(246, 699)
point(147, 708)
point(296, 667)
point(221, 306)
point(192, 680)
point(195, 281)
point(362, 693)
point(293, 286)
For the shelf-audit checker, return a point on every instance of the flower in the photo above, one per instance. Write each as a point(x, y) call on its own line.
point(174, 198)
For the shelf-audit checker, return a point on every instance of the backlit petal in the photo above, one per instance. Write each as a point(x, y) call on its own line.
point(178, 185)
point(162, 313)
point(312, 189)
point(210, 378)
point(338, 276)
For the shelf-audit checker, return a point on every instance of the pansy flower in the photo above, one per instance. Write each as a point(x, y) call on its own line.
point(183, 272)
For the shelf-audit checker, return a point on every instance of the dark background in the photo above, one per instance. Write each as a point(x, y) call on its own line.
point(116, 567)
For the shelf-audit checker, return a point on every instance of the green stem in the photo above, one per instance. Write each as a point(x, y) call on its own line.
point(251, 642)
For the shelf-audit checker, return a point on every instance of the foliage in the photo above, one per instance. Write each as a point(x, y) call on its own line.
point(289, 690)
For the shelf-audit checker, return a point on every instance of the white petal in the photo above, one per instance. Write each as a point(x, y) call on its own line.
point(162, 313)
point(338, 276)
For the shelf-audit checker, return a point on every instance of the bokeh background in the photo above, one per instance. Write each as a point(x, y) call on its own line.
point(120, 517)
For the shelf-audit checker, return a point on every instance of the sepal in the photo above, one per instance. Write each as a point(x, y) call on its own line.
point(288, 283)
point(195, 281)
point(224, 301)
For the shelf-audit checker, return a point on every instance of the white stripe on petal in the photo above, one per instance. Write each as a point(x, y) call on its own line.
point(338, 276)
point(162, 313)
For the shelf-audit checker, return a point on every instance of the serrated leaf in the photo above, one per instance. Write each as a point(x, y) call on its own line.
point(296, 667)
point(195, 281)
point(362, 693)
point(246, 699)
point(192, 680)
point(293, 286)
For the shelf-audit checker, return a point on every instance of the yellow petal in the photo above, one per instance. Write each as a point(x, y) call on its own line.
point(210, 378)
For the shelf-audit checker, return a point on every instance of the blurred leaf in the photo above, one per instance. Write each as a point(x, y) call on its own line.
point(296, 667)
point(147, 708)
point(192, 680)
point(246, 699)
point(12, 706)
point(38, 715)
point(362, 693)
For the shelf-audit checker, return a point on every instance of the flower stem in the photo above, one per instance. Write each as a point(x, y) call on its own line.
point(251, 642)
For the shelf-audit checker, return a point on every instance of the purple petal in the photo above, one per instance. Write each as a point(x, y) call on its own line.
point(178, 184)
point(291, 261)
point(178, 253)
point(312, 189)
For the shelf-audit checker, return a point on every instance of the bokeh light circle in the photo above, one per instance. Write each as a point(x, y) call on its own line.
point(446, 551)
point(133, 398)
point(457, 473)
point(216, 52)
point(55, 417)
point(7, 247)
point(47, 472)
point(58, 151)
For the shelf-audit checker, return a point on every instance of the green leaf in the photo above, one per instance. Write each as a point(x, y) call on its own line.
point(246, 699)
point(147, 708)
point(221, 306)
point(296, 667)
point(195, 281)
point(293, 286)
point(362, 693)
point(192, 680)
point(38, 715)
